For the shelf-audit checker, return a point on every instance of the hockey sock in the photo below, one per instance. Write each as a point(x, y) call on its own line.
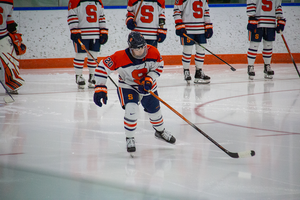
point(91, 63)
point(199, 56)
point(157, 121)
point(267, 51)
point(186, 56)
point(78, 63)
point(252, 52)
point(130, 119)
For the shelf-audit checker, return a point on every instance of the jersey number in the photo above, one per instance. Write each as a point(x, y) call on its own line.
point(91, 11)
point(1, 17)
point(267, 5)
point(146, 12)
point(198, 11)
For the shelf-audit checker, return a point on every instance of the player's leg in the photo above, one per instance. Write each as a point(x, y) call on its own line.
point(200, 77)
point(268, 38)
point(94, 49)
point(255, 39)
point(152, 42)
point(152, 107)
point(129, 99)
point(78, 63)
point(187, 51)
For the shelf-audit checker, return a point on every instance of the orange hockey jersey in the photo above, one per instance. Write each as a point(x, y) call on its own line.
point(130, 70)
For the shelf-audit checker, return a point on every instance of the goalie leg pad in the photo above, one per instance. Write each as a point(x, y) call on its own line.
point(9, 70)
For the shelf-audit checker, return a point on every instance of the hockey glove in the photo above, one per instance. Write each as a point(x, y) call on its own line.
point(161, 35)
point(131, 24)
point(100, 93)
point(280, 25)
point(75, 35)
point(12, 27)
point(145, 85)
point(180, 29)
point(208, 30)
point(252, 23)
point(103, 35)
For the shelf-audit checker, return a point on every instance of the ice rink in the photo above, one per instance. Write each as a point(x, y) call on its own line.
point(55, 143)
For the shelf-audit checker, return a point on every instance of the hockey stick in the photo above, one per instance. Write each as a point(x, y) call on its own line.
point(82, 46)
point(7, 99)
point(232, 68)
point(289, 53)
point(231, 154)
point(138, 10)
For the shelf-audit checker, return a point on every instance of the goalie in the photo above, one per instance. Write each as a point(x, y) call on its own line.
point(10, 46)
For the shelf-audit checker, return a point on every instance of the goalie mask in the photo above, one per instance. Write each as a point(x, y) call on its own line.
point(137, 45)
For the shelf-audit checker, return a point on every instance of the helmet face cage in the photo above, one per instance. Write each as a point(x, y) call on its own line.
point(137, 41)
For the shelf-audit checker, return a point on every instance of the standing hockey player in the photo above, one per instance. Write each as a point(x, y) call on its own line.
point(148, 18)
point(262, 25)
point(192, 18)
point(10, 46)
point(138, 67)
point(86, 21)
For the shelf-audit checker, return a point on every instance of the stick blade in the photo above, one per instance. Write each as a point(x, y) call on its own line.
point(243, 154)
point(8, 99)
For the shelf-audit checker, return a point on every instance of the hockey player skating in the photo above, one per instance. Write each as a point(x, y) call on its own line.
point(10, 46)
point(262, 25)
point(148, 18)
point(86, 21)
point(138, 66)
point(193, 19)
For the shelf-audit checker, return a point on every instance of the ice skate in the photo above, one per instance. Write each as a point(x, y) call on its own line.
point(130, 142)
point(92, 81)
point(165, 136)
point(80, 81)
point(201, 78)
point(187, 75)
point(251, 72)
point(268, 71)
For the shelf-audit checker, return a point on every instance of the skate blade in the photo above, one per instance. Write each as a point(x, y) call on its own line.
point(251, 77)
point(132, 154)
point(201, 82)
point(268, 76)
point(188, 82)
point(91, 86)
point(80, 86)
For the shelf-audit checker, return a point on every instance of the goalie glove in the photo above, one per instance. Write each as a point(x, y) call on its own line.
point(131, 24)
point(103, 35)
point(161, 34)
point(252, 23)
point(180, 29)
point(100, 94)
point(208, 30)
point(145, 85)
point(75, 35)
point(280, 25)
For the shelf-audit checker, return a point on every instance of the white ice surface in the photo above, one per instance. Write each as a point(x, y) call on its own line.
point(55, 143)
